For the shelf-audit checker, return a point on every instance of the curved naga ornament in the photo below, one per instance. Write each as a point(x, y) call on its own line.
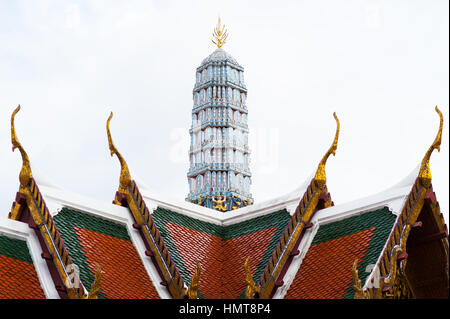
point(125, 177)
point(425, 173)
point(252, 288)
point(320, 176)
point(25, 172)
point(193, 287)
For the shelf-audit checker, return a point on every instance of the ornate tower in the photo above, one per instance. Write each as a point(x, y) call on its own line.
point(219, 176)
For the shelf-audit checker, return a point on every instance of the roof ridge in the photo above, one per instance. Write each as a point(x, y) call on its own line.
point(315, 197)
point(281, 258)
point(30, 207)
point(128, 195)
point(392, 261)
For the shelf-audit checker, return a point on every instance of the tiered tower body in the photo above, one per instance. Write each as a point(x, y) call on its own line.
point(219, 174)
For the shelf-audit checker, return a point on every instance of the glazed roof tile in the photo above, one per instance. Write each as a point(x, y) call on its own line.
point(325, 271)
point(18, 277)
point(221, 250)
point(92, 240)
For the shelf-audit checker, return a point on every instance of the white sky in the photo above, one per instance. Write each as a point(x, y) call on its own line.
point(381, 65)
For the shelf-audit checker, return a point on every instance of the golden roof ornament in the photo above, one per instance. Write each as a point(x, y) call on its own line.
point(357, 288)
point(25, 172)
point(125, 177)
point(219, 203)
point(193, 287)
point(252, 288)
point(320, 176)
point(425, 172)
point(220, 34)
point(95, 288)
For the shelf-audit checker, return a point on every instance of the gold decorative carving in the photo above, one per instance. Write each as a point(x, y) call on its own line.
point(425, 172)
point(193, 287)
point(25, 172)
point(219, 203)
point(396, 251)
point(125, 177)
point(252, 288)
point(95, 288)
point(400, 288)
point(42, 218)
point(320, 176)
point(359, 293)
point(220, 34)
point(142, 217)
point(237, 203)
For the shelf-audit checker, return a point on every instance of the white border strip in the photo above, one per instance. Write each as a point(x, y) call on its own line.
point(334, 214)
point(296, 262)
point(19, 230)
point(120, 215)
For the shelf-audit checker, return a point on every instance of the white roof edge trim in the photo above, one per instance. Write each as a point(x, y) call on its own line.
point(340, 212)
point(114, 213)
point(360, 206)
point(296, 263)
point(21, 231)
point(209, 215)
point(150, 268)
point(231, 217)
point(55, 198)
point(375, 271)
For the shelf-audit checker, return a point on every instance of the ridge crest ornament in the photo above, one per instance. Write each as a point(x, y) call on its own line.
point(125, 177)
point(25, 175)
point(320, 176)
point(425, 172)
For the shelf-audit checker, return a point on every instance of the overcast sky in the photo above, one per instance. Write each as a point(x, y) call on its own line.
point(381, 65)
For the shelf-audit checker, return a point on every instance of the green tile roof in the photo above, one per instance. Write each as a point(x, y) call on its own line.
point(15, 248)
point(67, 219)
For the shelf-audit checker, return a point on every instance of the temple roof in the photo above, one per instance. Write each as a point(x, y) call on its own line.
point(300, 245)
point(17, 270)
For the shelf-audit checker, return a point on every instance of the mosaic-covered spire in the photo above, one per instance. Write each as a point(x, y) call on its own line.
point(219, 175)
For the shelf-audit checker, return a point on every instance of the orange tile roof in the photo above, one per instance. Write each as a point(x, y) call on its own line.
point(221, 250)
point(326, 270)
point(18, 277)
point(222, 260)
point(124, 276)
point(92, 240)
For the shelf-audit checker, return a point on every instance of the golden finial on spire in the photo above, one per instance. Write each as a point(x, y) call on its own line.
point(425, 173)
point(320, 176)
point(25, 173)
point(220, 34)
point(125, 177)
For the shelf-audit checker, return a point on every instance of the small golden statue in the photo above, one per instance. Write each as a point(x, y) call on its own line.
point(219, 203)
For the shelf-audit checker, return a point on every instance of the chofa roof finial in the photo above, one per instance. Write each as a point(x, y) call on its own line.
point(125, 177)
point(320, 176)
point(425, 173)
point(25, 173)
